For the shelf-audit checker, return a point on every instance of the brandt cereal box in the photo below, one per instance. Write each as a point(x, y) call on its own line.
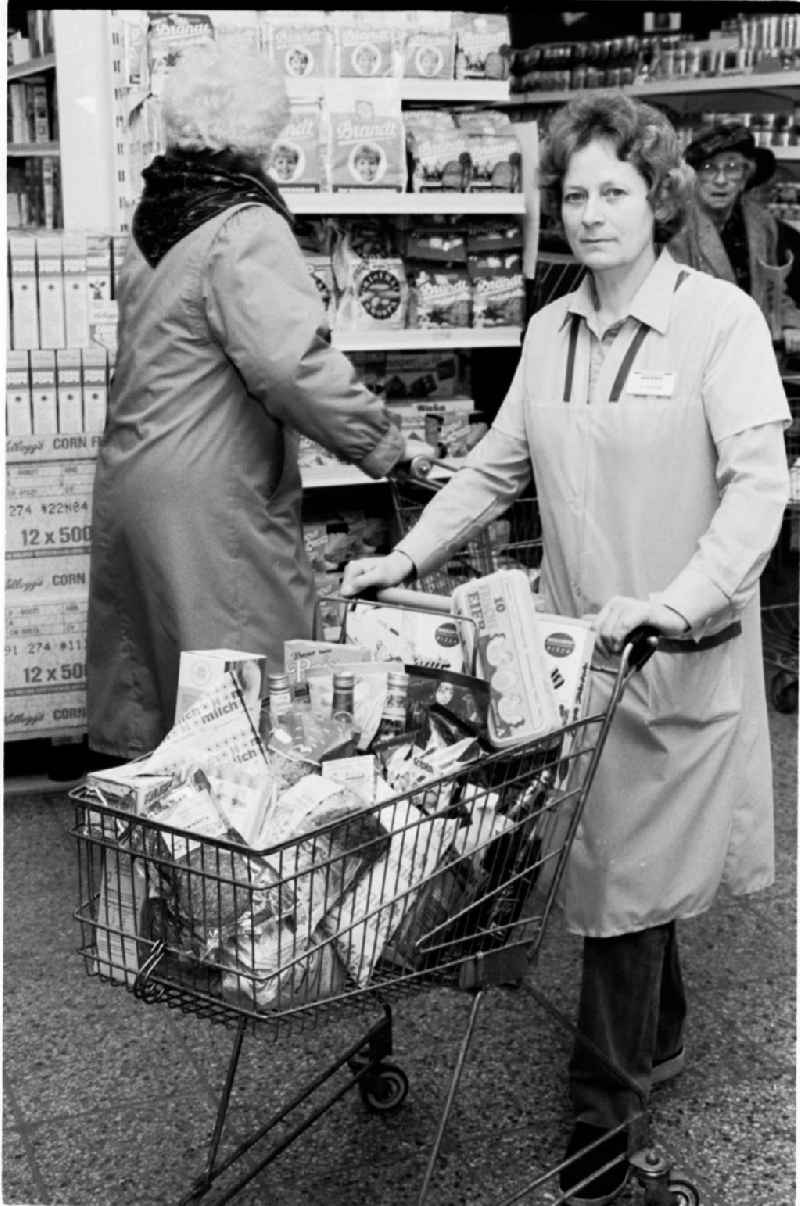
point(367, 139)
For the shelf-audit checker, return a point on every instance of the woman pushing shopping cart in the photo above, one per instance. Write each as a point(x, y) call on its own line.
point(648, 408)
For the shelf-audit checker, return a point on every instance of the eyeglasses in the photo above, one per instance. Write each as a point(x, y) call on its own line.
point(732, 169)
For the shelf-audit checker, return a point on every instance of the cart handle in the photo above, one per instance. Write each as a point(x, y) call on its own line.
point(640, 644)
point(401, 596)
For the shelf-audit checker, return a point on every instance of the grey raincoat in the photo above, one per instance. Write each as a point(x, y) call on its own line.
point(223, 357)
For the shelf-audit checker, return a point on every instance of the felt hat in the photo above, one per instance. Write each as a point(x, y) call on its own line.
point(711, 140)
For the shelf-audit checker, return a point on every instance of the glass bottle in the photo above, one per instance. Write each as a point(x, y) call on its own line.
point(343, 703)
point(393, 720)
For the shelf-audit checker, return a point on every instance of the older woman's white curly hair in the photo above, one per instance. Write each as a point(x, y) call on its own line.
point(221, 99)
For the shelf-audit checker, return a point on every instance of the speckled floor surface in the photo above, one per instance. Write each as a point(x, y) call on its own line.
point(110, 1102)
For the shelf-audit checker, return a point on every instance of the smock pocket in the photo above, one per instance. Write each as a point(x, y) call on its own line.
point(695, 688)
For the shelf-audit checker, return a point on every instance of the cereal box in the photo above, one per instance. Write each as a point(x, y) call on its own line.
point(295, 161)
point(361, 52)
point(428, 55)
point(367, 140)
point(299, 43)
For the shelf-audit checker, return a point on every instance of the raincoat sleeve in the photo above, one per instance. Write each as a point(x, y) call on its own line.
point(746, 411)
point(494, 473)
point(264, 310)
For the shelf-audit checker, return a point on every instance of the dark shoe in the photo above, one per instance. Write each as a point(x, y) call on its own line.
point(666, 1069)
point(600, 1188)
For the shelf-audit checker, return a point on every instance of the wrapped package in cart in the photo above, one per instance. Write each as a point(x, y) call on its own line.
point(266, 961)
point(522, 706)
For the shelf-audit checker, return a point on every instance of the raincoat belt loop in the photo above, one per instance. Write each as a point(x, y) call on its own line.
point(573, 344)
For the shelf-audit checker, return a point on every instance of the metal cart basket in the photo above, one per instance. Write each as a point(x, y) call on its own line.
point(448, 883)
point(512, 540)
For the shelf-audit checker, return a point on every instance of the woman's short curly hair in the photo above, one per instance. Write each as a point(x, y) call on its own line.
point(219, 99)
point(643, 137)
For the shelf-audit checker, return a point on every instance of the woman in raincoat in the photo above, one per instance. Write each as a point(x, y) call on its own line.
point(224, 356)
point(649, 408)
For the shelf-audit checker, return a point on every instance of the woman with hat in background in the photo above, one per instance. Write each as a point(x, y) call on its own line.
point(730, 234)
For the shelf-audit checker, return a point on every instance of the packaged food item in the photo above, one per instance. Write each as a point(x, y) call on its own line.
point(130, 787)
point(407, 635)
point(429, 55)
point(493, 148)
point(375, 297)
point(498, 293)
point(199, 670)
point(295, 160)
point(168, 34)
point(303, 656)
point(299, 42)
point(567, 644)
point(459, 701)
point(439, 152)
point(440, 297)
point(374, 905)
point(509, 656)
point(367, 139)
point(482, 45)
point(361, 51)
point(343, 841)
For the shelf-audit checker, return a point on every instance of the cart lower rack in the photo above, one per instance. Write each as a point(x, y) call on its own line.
point(451, 883)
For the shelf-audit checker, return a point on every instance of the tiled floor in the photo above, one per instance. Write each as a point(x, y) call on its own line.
point(110, 1102)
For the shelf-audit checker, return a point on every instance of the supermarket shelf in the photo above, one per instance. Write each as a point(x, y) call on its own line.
point(454, 92)
point(32, 150)
point(765, 82)
point(406, 203)
point(19, 71)
point(318, 476)
point(422, 338)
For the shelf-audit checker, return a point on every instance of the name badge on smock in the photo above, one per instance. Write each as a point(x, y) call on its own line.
point(651, 385)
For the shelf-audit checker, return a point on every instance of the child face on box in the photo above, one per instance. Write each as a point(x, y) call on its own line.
point(366, 163)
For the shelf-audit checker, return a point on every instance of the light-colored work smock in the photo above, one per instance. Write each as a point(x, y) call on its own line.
point(666, 480)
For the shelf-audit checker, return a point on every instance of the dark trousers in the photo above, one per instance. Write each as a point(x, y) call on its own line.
point(632, 1008)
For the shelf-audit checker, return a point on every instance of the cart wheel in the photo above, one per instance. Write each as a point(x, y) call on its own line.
point(783, 691)
point(683, 1193)
point(385, 1090)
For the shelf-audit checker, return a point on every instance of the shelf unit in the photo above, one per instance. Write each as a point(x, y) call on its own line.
point(469, 204)
point(33, 150)
point(81, 63)
point(86, 68)
point(419, 91)
point(421, 339)
point(773, 83)
point(19, 71)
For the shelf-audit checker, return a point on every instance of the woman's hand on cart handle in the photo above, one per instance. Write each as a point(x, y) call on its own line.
point(373, 573)
point(622, 615)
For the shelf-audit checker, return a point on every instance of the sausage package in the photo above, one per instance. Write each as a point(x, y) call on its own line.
point(510, 656)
